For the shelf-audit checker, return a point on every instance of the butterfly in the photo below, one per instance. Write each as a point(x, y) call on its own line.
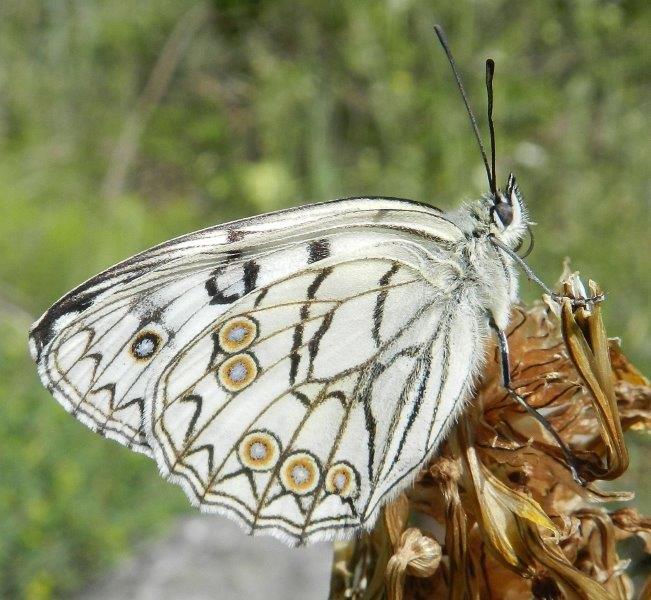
point(293, 371)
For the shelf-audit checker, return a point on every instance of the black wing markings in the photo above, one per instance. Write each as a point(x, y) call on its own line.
point(209, 449)
point(315, 340)
point(43, 332)
point(378, 312)
point(96, 358)
point(217, 295)
point(371, 424)
point(76, 301)
point(246, 472)
point(313, 288)
point(251, 270)
point(425, 367)
point(301, 397)
point(339, 395)
point(216, 349)
point(318, 250)
point(297, 341)
point(260, 297)
point(295, 356)
point(415, 351)
point(141, 406)
point(235, 235)
point(198, 402)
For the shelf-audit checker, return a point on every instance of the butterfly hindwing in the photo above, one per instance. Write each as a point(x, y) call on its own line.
point(314, 398)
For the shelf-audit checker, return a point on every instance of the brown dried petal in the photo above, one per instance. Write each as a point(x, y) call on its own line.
point(395, 515)
point(572, 582)
point(446, 472)
point(598, 552)
point(623, 369)
point(500, 511)
point(630, 521)
point(585, 339)
point(417, 554)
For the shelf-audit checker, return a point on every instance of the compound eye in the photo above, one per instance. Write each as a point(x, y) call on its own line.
point(504, 212)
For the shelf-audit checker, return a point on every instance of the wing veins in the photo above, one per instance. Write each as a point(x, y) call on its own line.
point(395, 419)
point(301, 347)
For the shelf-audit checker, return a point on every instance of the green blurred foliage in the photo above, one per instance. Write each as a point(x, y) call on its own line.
point(272, 104)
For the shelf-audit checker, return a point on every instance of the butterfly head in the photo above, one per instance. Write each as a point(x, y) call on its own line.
point(508, 218)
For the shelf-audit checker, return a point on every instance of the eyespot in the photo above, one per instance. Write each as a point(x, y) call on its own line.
point(259, 451)
point(343, 480)
point(237, 372)
point(145, 345)
point(237, 333)
point(300, 473)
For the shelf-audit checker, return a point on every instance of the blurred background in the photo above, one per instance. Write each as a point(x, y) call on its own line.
point(123, 124)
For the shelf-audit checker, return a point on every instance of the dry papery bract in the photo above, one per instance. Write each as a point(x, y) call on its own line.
point(498, 512)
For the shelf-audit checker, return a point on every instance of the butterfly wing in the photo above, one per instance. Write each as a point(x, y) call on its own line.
point(135, 353)
point(316, 398)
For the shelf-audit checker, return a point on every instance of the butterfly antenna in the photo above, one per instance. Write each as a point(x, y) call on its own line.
point(490, 72)
point(473, 122)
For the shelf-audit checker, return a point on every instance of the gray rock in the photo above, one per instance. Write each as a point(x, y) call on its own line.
point(207, 558)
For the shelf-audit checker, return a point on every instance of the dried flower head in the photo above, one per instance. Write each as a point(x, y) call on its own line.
point(500, 514)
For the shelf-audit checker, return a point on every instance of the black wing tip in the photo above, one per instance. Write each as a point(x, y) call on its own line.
point(42, 331)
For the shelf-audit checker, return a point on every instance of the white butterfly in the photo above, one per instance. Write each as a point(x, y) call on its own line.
point(291, 371)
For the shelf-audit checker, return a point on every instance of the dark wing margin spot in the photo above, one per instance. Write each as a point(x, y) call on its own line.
point(79, 299)
point(42, 332)
point(318, 250)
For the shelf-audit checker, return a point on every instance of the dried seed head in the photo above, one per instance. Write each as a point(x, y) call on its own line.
point(513, 521)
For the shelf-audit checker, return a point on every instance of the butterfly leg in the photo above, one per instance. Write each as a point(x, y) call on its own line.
point(503, 346)
point(528, 271)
